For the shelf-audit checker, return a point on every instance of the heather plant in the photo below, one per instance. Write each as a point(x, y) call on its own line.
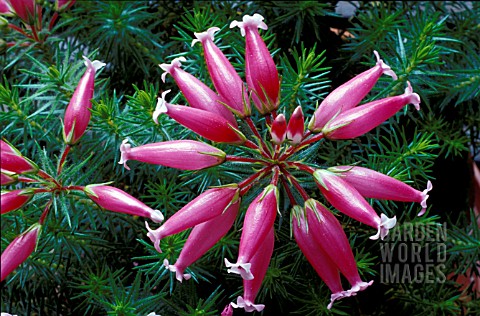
point(204, 161)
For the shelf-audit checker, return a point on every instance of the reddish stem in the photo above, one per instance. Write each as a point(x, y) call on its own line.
point(52, 21)
point(26, 180)
point(248, 143)
point(34, 32)
point(288, 191)
point(300, 146)
point(62, 159)
point(256, 176)
point(243, 159)
point(45, 211)
point(276, 173)
point(16, 28)
point(301, 166)
point(297, 185)
point(257, 134)
point(48, 177)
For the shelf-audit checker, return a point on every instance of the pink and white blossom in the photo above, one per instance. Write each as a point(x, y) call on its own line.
point(77, 114)
point(226, 80)
point(376, 185)
point(260, 70)
point(349, 94)
point(208, 205)
point(116, 200)
point(179, 154)
point(198, 94)
point(207, 124)
point(258, 222)
point(349, 201)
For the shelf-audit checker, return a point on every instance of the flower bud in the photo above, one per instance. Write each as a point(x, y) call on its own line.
point(296, 127)
point(349, 201)
point(13, 200)
point(349, 94)
point(19, 250)
point(279, 129)
point(260, 70)
point(206, 206)
point(77, 114)
point(362, 119)
point(179, 154)
point(116, 200)
point(258, 222)
point(226, 80)
point(376, 185)
point(203, 237)
point(6, 9)
point(204, 123)
point(198, 94)
point(12, 160)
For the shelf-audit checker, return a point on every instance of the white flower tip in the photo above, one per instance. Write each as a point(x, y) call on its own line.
point(95, 65)
point(360, 286)
point(152, 234)
point(425, 196)
point(248, 20)
point(240, 268)
point(157, 216)
point(412, 97)
point(337, 296)
point(161, 107)
point(176, 63)
point(203, 36)
point(124, 150)
point(386, 69)
point(247, 305)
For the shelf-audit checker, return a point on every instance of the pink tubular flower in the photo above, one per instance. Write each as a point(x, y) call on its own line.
point(376, 185)
point(77, 114)
point(224, 77)
point(12, 160)
point(179, 154)
point(326, 269)
point(349, 94)
point(203, 237)
point(258, 221)
point(349, 201)
point(207, 124)
point(208, 205)
point(198, 94)
point(279, 129)
point(25, 10)
point(260, 70)
point(7, 177)
point(260, 262)
point(19, 250)
point(296, 127)
point(116, 200)
point(329, 234)
point(357, 121)
point(13, 200)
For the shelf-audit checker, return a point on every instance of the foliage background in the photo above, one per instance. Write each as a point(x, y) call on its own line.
point(93, 262)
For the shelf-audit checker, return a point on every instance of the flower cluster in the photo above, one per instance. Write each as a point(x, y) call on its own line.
point(219, 116)
point(30, 13)
point(17, 168)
